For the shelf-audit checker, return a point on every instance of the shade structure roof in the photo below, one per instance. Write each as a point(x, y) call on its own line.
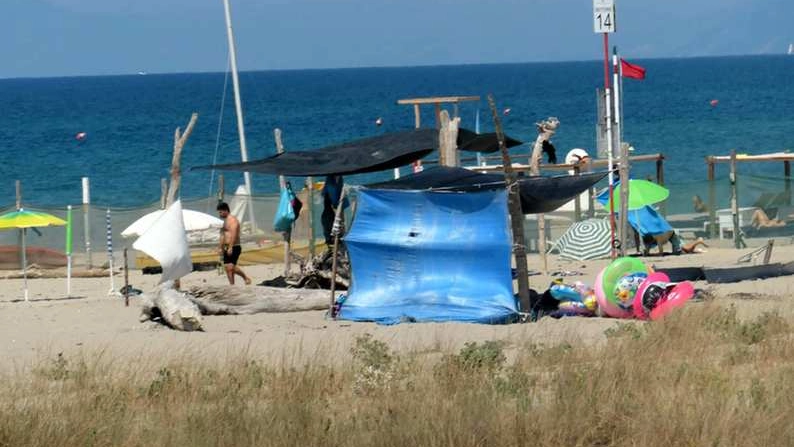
point(482, 142)
point(538, 194)
point(372, 154)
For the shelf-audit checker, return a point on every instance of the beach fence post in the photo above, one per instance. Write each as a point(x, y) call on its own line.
point(737, 236)
point(577, 203)
point(310, 216)
point(712, 198)
point(282, 183)
point(787, 174)
point(516, 215)
point(69, 251)
point(109, 229)
point(18, 186)
point(126, 280)
point(660, 182)
point(87, 220)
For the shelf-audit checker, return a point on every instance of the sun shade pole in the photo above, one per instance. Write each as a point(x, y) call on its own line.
point(336, 230)
point(516, 216)
point(239, 109)
point(18, 185)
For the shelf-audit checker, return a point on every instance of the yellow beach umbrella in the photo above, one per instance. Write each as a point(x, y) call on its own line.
point(24, 219)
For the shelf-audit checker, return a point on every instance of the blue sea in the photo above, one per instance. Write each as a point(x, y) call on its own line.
point(130, 120)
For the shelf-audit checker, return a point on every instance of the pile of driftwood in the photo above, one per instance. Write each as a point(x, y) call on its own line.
point(183, 310)
point(317, 273)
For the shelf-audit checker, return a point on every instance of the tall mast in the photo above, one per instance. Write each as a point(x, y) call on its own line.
point(239, 109)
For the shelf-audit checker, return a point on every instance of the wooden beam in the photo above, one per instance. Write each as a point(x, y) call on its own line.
point(712, 199)
point(417, 117)
point(516, 215)
point(437, 99)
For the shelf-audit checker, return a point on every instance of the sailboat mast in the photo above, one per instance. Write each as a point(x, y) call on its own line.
point(239, 110)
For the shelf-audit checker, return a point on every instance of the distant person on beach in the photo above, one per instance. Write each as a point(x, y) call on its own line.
point(761, 220)
point(230, 244)
point(550, 151)
point(698, 204)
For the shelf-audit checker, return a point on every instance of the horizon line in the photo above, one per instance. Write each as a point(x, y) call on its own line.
point(365, 67)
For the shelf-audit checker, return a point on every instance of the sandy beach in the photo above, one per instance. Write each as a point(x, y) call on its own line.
point(91, 322)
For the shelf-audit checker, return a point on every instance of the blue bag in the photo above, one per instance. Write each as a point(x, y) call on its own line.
point(286, 212)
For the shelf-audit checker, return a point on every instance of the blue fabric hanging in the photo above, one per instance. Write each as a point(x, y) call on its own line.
point(285, 213)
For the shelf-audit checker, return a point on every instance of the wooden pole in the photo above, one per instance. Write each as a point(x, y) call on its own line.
point(737, 237)
point(310, 215)
point(546, 130)
point(126, 280)
point(660, 181)
point(163, 192)
point(282, 182)
point(448, 135)
point(417, 117)
point(787, 173)
point(179, 142)
point(577, 204)
point(712, 199)
point(516, 215)
point(336, 229)
point(768, 252)
point(221, 188)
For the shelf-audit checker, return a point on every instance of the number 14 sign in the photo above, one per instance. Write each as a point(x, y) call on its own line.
point(604, 16)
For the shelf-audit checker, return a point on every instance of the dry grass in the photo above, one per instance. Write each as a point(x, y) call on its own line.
point(700, 378)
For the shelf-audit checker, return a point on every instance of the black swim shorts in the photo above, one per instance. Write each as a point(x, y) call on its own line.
point(231, 258)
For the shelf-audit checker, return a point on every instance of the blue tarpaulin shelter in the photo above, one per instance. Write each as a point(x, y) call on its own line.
point(430, 256)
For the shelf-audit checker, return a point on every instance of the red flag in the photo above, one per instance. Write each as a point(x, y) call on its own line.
point(631, 71)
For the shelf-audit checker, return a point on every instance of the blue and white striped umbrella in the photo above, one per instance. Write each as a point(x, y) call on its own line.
point(588, 239)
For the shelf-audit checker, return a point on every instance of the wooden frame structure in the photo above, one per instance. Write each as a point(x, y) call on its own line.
point(734, 159)
point(437, 101)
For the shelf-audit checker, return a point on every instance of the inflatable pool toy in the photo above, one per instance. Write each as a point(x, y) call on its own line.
point(607, 282)
point(564, 292)
point(657, 296)
point(626, 289)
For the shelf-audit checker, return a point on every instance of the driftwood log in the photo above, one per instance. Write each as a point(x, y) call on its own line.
point(230, 300)
point(174, 307)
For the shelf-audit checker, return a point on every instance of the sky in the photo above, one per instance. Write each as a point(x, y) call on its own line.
point(42, 38)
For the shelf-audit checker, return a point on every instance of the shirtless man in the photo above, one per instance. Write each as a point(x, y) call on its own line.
point(230, 244)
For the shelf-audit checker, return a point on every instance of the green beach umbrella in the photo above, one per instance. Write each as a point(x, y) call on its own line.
point(641, 193)
point(23, 219)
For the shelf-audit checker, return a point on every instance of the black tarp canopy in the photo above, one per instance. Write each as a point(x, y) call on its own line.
point(373, 154)
point(538, 194)
point(482, 142)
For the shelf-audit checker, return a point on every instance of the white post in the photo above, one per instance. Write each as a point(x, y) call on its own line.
point(25, 262)
point(69, 251)
point(239, 109)
point(87, 220)
point(112, 290)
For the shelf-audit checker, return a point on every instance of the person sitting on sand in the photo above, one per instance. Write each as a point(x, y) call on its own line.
point(691, 247)
point(698, 204)
point(761, 220)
